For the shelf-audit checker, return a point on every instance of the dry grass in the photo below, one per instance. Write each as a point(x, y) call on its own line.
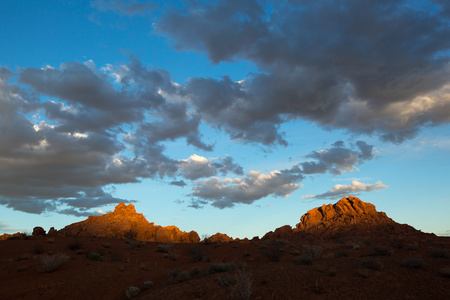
point(50, 263)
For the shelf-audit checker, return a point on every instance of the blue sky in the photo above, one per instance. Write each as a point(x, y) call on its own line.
point(225, 116)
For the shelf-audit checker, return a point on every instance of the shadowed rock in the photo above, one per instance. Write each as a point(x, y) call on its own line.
point(125, 222)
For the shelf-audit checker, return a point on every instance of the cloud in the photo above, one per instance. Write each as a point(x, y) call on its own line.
point(255, 185)
point(337, 159)
point(369, 68)
point(178, 183)
point(198, 166)
point(340, 190)
point(226, 192)
point(6, 228)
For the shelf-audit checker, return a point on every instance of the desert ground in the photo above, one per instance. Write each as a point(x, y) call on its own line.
point(284, 264)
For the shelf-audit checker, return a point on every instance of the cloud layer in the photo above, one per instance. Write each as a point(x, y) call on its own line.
point(343, 64)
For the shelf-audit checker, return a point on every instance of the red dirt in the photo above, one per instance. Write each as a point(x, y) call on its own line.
point(391, 261)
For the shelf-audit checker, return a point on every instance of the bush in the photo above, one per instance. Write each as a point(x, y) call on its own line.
point(130, 235)
point(164, 248)
point(373, 264)
point(74, 245)
point(50, 263)
point(94, 256)
point(178, 275)
point(340, 253)
point(380, 251)
point(196, 253)
point(226, 280)
point(313, 252)
point(439, 253)
point(445, 272)
point(413, 263)
point(38, 249)
point(219, 268)
point(304, 260)
point(243, 288)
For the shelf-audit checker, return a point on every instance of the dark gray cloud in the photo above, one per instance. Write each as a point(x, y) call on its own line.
point(337, 159)
point(379, 67)
point(181, 183)
point(340, 191)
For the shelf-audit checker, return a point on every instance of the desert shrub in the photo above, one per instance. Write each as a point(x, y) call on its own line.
point(295, 252)
point(243, 288)
point(445, 272)
point(370, 263)
point(132, 292)
point(106, 245)
point(194, 272)
point(178, 275)
point(74, 245)
point(274, 250)
point(130, 235)
point(94, 256)
point(146, 285)
point(50, 263)
point(398, 244)
point(164, 248)
point(246, 254)
point(380, 251)
point(304, 260)
point(413, 246)
point(413, 263)
point(226, 280)
point(219, 268)
point(439, 253)
point(38, 249)
point(317, 287)
point(115, 256)
point(312, 251)
point(135, 244)
point(196, 253)
point(340, 253)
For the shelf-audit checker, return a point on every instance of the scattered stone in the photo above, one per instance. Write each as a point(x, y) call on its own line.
point(132, 292)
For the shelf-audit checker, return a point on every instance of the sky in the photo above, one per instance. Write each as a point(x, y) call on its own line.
point(223, 116)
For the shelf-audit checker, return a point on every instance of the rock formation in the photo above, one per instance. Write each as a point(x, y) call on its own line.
point(219, 238)
point(347, 213)
point(124, 222)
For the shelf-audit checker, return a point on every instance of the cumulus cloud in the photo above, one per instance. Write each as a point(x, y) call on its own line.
point(198, 166)
point(337, 159)
point(340, 190)
point(380, 67)
point(255, 185)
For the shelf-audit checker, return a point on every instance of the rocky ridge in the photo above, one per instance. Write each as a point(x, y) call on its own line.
point(349, 215)
point(125, 222)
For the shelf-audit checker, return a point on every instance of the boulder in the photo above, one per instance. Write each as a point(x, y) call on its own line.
point(38, 231)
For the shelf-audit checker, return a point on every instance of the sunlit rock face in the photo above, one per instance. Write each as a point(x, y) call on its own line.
point(219, 238)
point(347, 213)
point(125, 222)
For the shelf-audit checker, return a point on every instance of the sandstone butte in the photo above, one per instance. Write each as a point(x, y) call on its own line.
point(125, 222)
point(349, 215)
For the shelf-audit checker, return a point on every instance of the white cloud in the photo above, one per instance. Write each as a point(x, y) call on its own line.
point(340, 190)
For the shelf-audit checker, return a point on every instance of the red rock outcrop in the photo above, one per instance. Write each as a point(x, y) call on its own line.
point(219, 238)
point(38, 231)
point(348, 214)
point(125, 222)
